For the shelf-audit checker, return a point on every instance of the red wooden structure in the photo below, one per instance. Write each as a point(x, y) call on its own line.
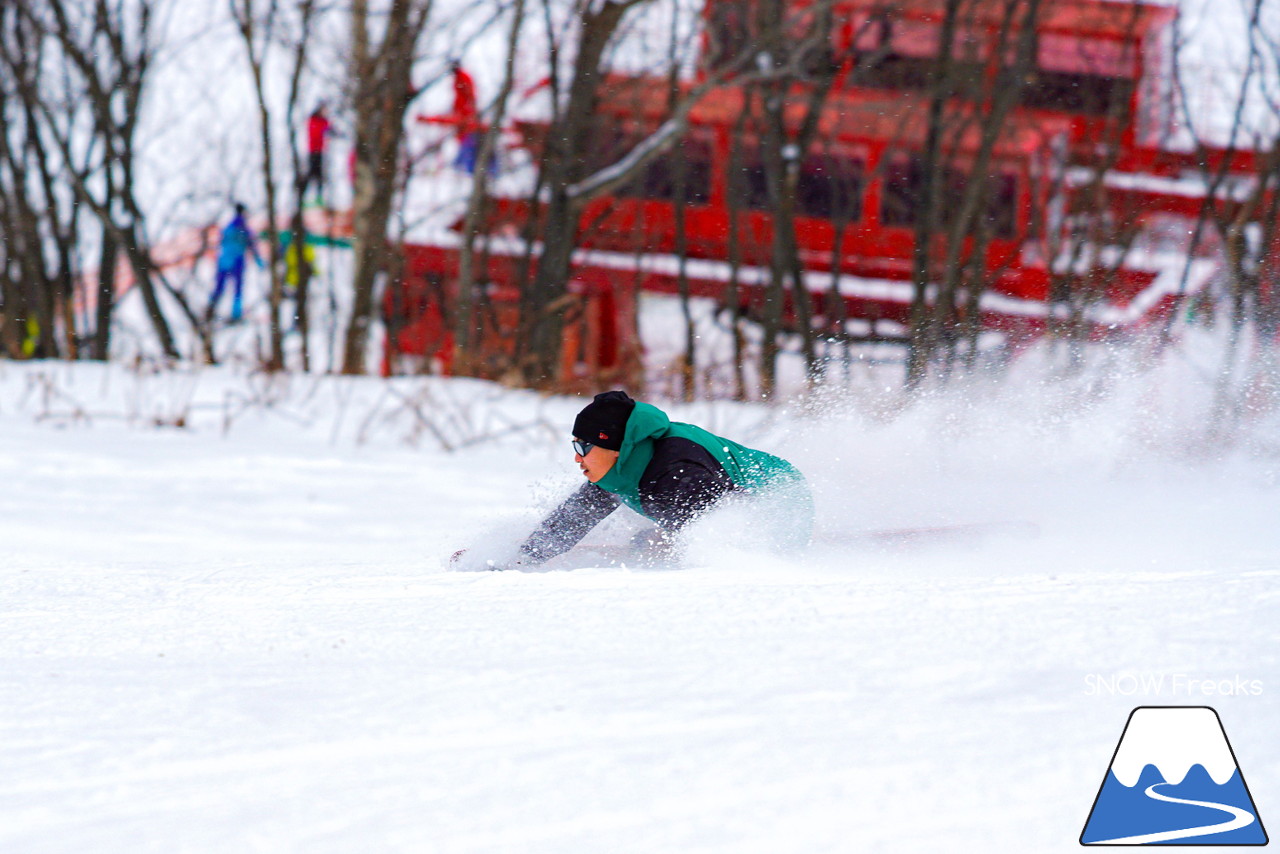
point(1100, 77)
point(418, 317)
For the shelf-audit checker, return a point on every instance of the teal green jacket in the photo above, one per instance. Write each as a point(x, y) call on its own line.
point(749, 469)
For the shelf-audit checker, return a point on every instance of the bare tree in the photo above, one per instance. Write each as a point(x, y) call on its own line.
point(265, 25)
point(24, 277)
point(1242, 209)
point(570, 176)
point(732, 291)
point(798, 52)
point(383, 50)
point(959, 186)
point(539, 338)
point(951, 218)
point(80, 70)
point(112, 50)
point(1089, 246)
point(39, 220)
point(298, 235)
point(963, 280)
point(256, 21)
point(466, 328)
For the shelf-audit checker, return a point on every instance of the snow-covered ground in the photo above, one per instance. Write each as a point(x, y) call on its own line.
point(241, 634)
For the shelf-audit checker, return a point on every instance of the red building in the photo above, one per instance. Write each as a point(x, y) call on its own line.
point(1085, 136)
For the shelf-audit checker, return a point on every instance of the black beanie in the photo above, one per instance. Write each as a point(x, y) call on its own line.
point(604, 420)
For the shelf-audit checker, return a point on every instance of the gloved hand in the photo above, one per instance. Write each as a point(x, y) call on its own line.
point(466, 560)
point(655, 543)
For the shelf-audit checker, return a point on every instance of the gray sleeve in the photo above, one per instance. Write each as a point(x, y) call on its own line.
point(569, 523)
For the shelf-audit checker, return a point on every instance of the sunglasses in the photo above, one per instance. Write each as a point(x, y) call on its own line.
point(582, 448)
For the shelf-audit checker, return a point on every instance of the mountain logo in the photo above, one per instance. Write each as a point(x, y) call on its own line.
point(1173, 780)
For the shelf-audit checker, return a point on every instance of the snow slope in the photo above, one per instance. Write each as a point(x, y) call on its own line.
point(239, 635)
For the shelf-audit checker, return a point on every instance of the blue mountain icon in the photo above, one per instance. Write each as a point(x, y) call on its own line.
point(1173, 781)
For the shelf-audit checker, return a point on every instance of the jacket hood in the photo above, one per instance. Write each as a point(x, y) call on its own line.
point(746, 467)
point(647, 423)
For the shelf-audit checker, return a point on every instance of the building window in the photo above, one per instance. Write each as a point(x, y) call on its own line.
point(830, 187)
point(904, 189)
point(749, 186)
point(660, 179)
point(1002, 206)
point(916, 74)
point(1086, 94)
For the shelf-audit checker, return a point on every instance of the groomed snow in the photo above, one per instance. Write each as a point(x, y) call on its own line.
point(240, 634)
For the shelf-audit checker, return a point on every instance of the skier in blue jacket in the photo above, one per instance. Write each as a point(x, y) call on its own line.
point(236, 240)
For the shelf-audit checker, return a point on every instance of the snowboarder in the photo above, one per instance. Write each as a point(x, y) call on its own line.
point(632, 453)
point(236, 240)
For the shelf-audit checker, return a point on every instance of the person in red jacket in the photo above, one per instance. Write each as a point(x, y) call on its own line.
point(319, 128)
point(466, 117)
point(464, 98)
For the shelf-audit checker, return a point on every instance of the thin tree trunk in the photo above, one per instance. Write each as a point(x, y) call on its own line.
point(924, 319)
point(244, 12)
point(465, 315)
point(381, 77)
point(101, 348)
point(732, 296)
